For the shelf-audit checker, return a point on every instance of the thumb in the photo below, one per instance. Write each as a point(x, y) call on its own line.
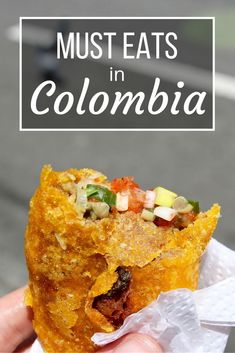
point(15, 323)
point(133, 343)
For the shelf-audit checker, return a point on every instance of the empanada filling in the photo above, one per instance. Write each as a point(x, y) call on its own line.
point(114, 304)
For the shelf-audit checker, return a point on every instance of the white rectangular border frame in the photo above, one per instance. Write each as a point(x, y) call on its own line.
point(115, 18)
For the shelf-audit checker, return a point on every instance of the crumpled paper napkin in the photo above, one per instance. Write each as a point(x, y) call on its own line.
point(183, 321)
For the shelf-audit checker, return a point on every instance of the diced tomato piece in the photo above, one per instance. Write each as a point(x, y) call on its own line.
point(179, 222)
point(136, 200)
point(162, 222)
point(123, 184)
point(135, 194)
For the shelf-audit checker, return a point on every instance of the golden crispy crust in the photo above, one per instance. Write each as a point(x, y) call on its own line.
point(72, 260)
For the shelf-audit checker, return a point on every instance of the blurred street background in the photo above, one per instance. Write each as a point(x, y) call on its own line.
point(198, 165)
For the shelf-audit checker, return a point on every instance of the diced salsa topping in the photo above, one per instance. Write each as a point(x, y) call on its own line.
point(101, 193)
point(127, 186)
point(164, 197)
point(160, 205)
point(123, 184)
point(195, 204)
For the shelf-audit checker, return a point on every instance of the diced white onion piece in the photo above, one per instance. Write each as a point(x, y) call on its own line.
point(147, 215)
point(150, 197)
point(166, 213)
point(182, 205)
point(101, 209)
point(81, 200)
point(187, 209)
point(122, 201)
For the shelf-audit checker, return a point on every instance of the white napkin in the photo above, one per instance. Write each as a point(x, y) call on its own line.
point(183, 321)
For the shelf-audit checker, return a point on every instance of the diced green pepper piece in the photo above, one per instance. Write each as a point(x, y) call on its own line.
point(147, 215)
point(195, 204)
point(101, 193)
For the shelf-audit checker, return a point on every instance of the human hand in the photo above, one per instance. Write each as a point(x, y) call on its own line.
point(16, 331)
point(133, 343)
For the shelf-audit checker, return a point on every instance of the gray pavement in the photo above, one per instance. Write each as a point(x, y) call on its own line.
point(198, 165)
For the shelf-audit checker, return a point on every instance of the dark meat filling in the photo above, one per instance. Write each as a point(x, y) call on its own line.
point(113, 304)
